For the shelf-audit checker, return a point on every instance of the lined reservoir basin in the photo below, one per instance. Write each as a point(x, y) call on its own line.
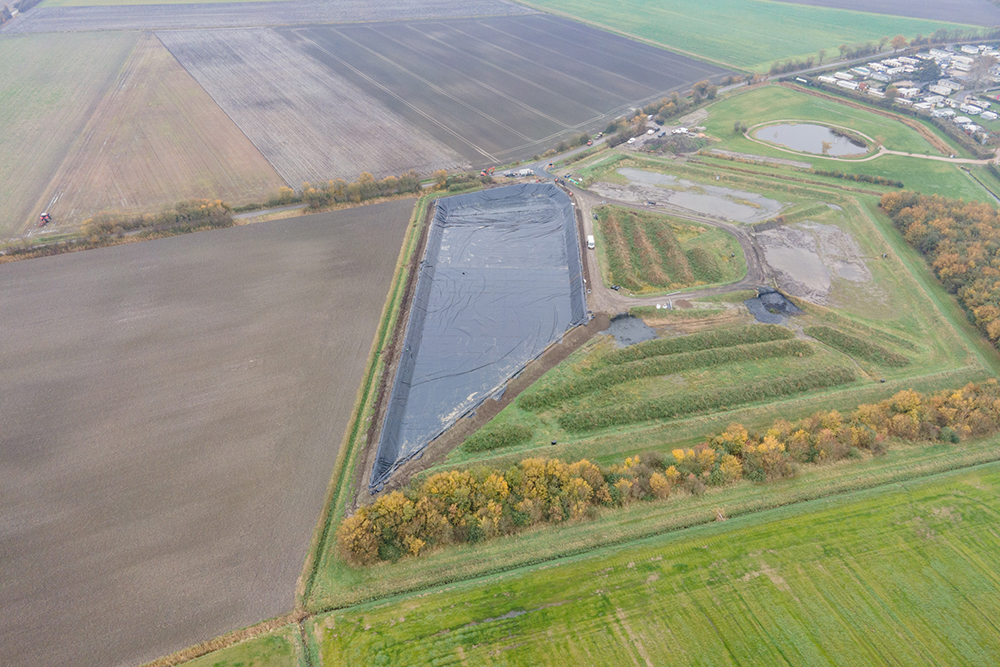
point(809, 138)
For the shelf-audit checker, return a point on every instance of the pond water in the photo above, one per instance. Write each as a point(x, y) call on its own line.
point(629, 330)
point(809, 138)
point(721, 202)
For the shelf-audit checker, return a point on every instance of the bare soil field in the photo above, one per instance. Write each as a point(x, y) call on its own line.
point(49, 87)
point(971, 12)
point(501, 88)
point(167, 16)
point(172, 411)
point(311, 124)
point(156, 138)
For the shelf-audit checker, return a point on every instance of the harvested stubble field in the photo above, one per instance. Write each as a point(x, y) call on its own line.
point(311, 124)
point(172, 413)
point(498, 89)
point(900, 576)
point(748, 34)
point(166, 15)
point(156, 138)
point(49, 87)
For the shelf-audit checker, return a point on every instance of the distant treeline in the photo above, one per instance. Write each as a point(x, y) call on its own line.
point(860, 178)
point(112, 228)
point(961, 240)
point(195, 213)
point(467, 506)
point(340, 191)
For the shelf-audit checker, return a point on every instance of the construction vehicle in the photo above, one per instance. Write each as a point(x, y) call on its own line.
point(44, 219)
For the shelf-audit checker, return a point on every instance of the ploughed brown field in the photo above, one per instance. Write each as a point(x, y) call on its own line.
point(171, 413)
point(156, 138)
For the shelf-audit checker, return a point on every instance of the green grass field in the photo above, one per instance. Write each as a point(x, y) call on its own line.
point(746, 34)
point(49, 86)
point(276, 649)
point(649, 253)
point(899, 575)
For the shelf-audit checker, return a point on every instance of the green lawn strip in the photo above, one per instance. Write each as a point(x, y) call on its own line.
point(275, 649)
point(341, 487)
point(346, 586)
point(669, 407)
point(945, 304)
point(705, 340)
point(612, 445)
point(771, 104)
point(664, 365)
point(740, 33)
point(857, 347)
point(905, 573)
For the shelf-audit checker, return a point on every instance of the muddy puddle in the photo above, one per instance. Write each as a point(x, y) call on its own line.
point(809, 138)
point(713, 200)
point(629, 330)
point(809, 258)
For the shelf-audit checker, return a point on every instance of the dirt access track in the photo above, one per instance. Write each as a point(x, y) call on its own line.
point(172, 412)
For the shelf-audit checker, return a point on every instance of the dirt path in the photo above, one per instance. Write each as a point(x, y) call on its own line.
point(602, 299)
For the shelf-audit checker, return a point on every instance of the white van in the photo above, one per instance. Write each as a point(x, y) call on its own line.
point(590, 243)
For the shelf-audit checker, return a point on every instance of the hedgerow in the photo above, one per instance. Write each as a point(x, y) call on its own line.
point(857, 347)
point(473, 505)
point(754, 333)
point(675, 406)
point(496, 437)
point(661, 365)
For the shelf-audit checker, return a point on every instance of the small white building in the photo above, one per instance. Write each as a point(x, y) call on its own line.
point(943, 113)
point(876, 93)
point(877, 67)
point(861, 71)
point(844, 76)
point(934, 99)
point(961, 120)
point(908, 93)
point(925, 56)
point(903, 102)
point(895, 71)
point(878, 76)
point(972, 50)
point(970, 109)
point(989, 115)
point(923, 106)
point(850, 85)
point(906, 60)
point(828, 79)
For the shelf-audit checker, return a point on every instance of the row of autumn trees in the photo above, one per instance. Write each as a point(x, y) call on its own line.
point(366, 187)
point(962, 242)
point(466, 506)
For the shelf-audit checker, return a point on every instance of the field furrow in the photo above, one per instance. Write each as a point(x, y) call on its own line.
point(156, 138)
point(311, 124)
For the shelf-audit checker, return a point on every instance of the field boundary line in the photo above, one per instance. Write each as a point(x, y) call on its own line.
point(497, 67)
point(436, 88)
point(463, 75)
point(221, 108)
point(483, 151)
point(344, 466)
point(841, 488)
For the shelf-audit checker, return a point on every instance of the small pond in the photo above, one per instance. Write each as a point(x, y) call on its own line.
point(809, 138)
point(629, 330)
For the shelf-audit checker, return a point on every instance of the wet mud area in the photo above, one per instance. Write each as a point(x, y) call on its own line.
point(628, 330)
point(808, 260)
point(710, 200)
point(771, 307)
